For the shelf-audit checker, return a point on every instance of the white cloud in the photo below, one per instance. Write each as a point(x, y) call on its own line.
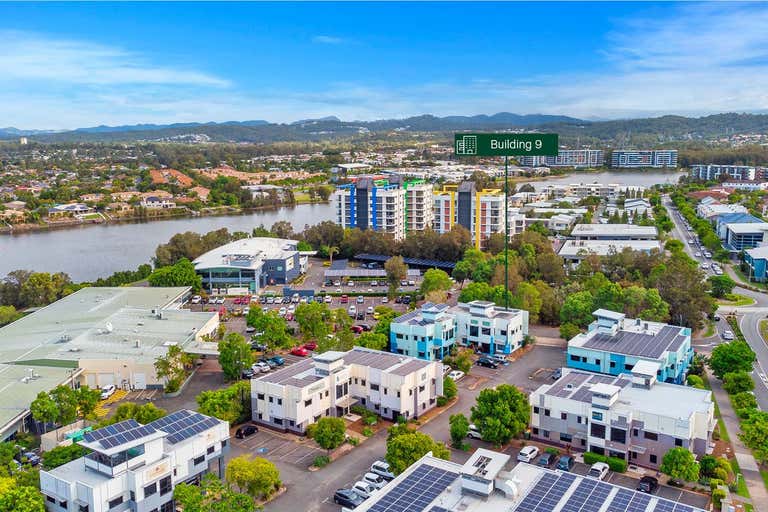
point(328, 39)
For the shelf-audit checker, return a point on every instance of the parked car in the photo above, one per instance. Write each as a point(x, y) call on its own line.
point(299, 351)
point(30, 458)
point(598, 470)
point(728, 335)
point(363, 489)
point(487, 362)
point(328, 299)
point(398, 300)
point(220, 300)
point(344, 299)
point(360, 299)
point(356, 329)
point(407, 299)
point(546, 460)
point(528, 453)
point(196, 299)
point(365, 327)
point(374, 479)
point(261, 347)
point(283, 311)
point(456, 375)
point(352, 310)
point(278, 360)
point(369, 310)
point(347, 498)
point(411, 282)
point(384, 300)
point(648, 484)
point(381, 468)
point(247, 374)
point(565, 463)
point(374, 283)
point(473, 432)
point(270, 300)
point(360, 315)
point(446, 369)
point(403, 283)
point(310, 345)
point(245, 431)
point(108, 391)
point(557, 373)
point(268, 361)
point(260, 367)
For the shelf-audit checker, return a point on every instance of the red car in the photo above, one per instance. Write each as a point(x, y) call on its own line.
point(310, 345)
point(356, 329)
point(299, 351)
point(344, 299)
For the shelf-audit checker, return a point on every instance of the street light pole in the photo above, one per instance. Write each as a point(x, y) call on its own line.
point(506, 233)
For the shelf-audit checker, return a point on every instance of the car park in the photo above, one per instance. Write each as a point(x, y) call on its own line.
point(375, 480)
point(473, 432)
point(347, 498)
point(487, 362)
point(245, 431)
point(546, 460)
point(528, 453)
point(108, 391)
point(299, 351)
point(598, 470)
point(456, 375)
point(648, 485)
point(363, 489)
point(565, 463)
point(382, 469)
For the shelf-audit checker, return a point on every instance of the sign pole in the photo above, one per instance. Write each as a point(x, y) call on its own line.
point(506, 232)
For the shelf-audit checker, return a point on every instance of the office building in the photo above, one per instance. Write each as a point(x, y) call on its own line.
point(614, 344)
point(485, 483)
point(614, 232)
point(757, 263)
point(632, 416)
point(136, 467)
point(712, 172)
point(576, 158)
point(328, 384)
point(652, 158)
point(721, 222)
point(427, 333)
point(489, 328)
point(742, 236)
point(248, 264)
point(95, 336)
point(574, 251)
point(708, 208)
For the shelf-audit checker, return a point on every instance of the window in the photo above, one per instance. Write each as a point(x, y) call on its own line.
point(271, 400)
point(279, 401)
point(566, 438)
point(362, 382)
point(633, 455)
point(597, 430)
point(198, 460)
point(224, 443)
point(545, 433)
point(653, 459)
point(307, 403)
point(535, 431)
point(260, 396)
point(374, 387)
point(597, 416)
point(653, 436)
point(618, 435)
point(613, 364)
point(635, 432)
point(473, 331)
point(165, 486)
point(132, 496)
point(535, 410)
point(115, 502)
point(628, 367)
point(82, 508)
point(210, 450)
point(583, 359)
point(563, 415)
point(575, 358)
point(546, 412)
point(167, 507)
point(50, 499)
point(151, 489)
point(578, 420)
point(398, 394)
point(485, 331)
point(385, 391)
point(678, 442)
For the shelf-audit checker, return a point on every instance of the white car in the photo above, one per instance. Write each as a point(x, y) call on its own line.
point(411, 283)
point(291, 308)
point(352, 310)
point(328, 299)
point(350, 283)
point(369, 310)
point(282, 311)
point(456, 375)
point(196, 299)
point(374, 480)
point(598, 470)
point(108, 391)
point(728, 335)
point(364, 489)
point(260, 367)
point(384, 300)
point(360, 299)
point(220, 300)
point(270, 300)
point(473, 432)
point(528, 453)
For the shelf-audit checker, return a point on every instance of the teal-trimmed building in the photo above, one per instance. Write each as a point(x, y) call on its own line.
point(756, 261)
point(613, 345)
point(426, 333)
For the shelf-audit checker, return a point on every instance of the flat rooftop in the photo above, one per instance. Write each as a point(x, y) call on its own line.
point(247, 253)
point(742, 228)
point(634, 341)
point(495, 311)
point(622, 230)
point(663, 399)
point(573, 248)
point(434, 485)
point(416, 316)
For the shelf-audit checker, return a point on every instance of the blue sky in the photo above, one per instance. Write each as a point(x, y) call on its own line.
point(72, 65)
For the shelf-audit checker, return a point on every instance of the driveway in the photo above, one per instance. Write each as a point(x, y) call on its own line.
point(277, 447)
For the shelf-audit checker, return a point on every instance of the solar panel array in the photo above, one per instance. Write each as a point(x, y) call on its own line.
point(119, 433)
point(416, 491)
point(545, 495)
point(111, 430)
point(183, 424)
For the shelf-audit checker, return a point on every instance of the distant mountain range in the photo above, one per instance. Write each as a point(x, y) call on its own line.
point(651, 130)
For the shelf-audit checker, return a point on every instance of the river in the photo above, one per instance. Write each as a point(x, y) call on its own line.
point(92, 251)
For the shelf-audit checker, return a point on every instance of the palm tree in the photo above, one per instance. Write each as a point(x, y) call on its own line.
point(331, 251)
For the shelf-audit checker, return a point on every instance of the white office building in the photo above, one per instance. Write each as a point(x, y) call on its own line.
point(136, 467)
point(328, 384)
point(614, 232)
point(490, 328)
point(573, 251)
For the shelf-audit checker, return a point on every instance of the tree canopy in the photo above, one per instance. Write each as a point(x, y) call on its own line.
point(405, 449)
point(735, 356)
point(501, 413)
point(680, 464)
point(234, 355)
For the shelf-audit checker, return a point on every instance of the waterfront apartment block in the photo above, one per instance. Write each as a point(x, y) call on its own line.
point(614, 344)
point(566, 158)
point(427, 333)
point(328, 384)
point(419, 208)
point(581, 190)
point(631, 416)
point(710, 172)
point(480, 211)
point(136, 467)
point(652, 158)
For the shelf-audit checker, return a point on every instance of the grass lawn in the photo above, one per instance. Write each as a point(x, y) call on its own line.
point(764, 474)
point(301, 197)
point(764, 329)
point(741, 484)
point(740, 275)
point(734, 299)
point(710, 329)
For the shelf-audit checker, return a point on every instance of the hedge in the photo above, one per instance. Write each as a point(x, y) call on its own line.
point(617, 465)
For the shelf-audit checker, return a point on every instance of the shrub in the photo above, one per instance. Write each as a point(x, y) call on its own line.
point(569, 330)
point(717, 498)
point(311, 428)
point(449, 388)
point(367, 432)
point(353, 441)
point(321, 461)
point(707, 465)
point(441, 401)
point(714, 482)
point(616, 464)
point(173, 385)
point(590, 458)
point(553, 451)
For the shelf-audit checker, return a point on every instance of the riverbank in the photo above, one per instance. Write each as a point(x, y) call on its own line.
point(177, 213)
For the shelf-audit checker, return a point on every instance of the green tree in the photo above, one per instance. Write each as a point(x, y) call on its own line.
point(435, 280)
point(680, 464)
point(721, 285)
point(44, 409)
point(405, 449)
point(736, 356)
point(61, 455)
point(256, 476)
point(230, 404)
point(22, 499)
point(744, 403)
point(396, 270)
point(386, 315)
point(211, 496)
point(273, 329)
point(577, 309)
point(374, 340)
point(172, 366)
point(87, 400)
point(144, 414)
point(182, 273)
point(569, 330)
point(461, 271)
point(313, 319)
point(737, 382)
point(449, 388)
point(501, 413)
point(475, 291)
point(8, 314)
point(754, 434)
point(329, 432)
point(234, 355)
point(695, 381)
point(66, 402)
point(459, 429)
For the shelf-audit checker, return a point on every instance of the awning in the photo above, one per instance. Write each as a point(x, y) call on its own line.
point(346, 401)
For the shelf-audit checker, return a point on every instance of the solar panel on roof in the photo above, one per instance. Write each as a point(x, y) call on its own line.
point(416, 491)
point(111, 430)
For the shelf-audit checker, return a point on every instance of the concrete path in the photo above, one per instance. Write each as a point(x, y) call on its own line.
point(747, 463)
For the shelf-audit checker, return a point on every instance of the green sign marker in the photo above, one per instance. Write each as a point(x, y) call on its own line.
point(505, 144)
